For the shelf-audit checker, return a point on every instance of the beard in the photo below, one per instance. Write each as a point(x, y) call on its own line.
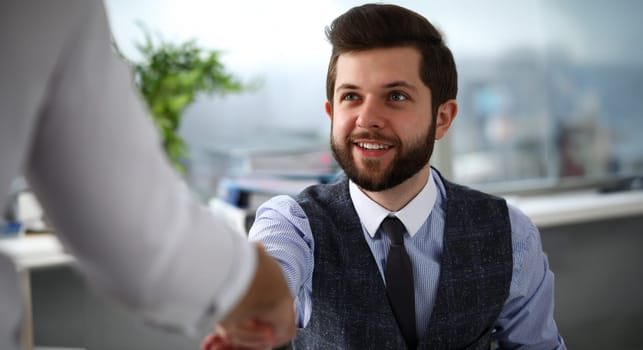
point(408, 161)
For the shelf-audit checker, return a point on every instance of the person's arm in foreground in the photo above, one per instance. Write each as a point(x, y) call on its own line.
point(527, 320)
point(97, 167)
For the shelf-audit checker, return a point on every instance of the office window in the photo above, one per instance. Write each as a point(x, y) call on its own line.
point(551, 91)
point(562, 103)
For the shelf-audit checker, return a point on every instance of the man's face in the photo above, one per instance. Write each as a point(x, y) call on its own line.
point(382, 131)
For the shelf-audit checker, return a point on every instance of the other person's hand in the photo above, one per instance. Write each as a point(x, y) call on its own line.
point(250, 335)
point(265, 316)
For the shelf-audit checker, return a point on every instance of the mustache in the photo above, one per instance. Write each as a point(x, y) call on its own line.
point(371, 136)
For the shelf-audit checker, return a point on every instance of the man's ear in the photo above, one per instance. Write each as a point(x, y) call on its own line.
point(446, 114)
point(329, 109)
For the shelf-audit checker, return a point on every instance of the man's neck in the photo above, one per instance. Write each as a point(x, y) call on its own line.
point(399, 196)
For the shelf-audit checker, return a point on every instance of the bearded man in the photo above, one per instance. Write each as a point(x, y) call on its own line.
point(465, 271)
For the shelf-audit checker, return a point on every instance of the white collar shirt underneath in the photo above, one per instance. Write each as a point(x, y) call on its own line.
point(413, 215)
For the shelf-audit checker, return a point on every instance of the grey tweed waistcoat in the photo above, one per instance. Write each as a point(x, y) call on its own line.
point(350, 307)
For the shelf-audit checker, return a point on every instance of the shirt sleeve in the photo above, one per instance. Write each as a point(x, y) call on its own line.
point(117, 204)
point(282, 226)
point(527, 320)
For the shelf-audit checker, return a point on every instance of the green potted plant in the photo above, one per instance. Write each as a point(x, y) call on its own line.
point(170, 76)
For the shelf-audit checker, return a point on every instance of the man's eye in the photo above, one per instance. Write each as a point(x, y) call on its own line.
point(350, 97)
point(396, 96)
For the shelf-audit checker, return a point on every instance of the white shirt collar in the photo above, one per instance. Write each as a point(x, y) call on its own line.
point(413, 215)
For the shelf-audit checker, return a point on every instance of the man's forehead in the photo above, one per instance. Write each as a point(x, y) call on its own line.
point(385, 68)
point(409, 51)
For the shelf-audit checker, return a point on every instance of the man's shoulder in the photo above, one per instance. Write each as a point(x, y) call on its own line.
point(457, 191)
point(463, 192)
point(521, 224)
point(518, 219)
point(324, 192)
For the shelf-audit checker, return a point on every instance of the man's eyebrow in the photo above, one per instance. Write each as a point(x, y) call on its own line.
point(394, 84)
point(400, 83)
point(346, 87)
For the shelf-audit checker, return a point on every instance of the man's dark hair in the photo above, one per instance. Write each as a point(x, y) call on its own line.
point(374, 26)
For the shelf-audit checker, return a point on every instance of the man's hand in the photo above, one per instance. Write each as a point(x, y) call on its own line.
point(265, 316)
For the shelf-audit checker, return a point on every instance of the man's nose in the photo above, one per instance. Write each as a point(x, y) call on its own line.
point(370, 115)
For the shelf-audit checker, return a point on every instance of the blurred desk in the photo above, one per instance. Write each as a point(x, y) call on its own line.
point(579, 207)
point(30, 252)
point(35, 251)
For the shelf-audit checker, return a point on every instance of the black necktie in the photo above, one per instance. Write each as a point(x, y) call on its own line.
point(399, 281)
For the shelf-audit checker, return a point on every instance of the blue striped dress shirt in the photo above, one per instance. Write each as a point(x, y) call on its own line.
point(526, 321)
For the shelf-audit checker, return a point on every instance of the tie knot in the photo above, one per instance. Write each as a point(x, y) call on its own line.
point(394, 229)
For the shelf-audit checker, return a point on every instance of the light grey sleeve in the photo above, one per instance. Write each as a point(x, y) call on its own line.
point(97, 168)
point(283, 228)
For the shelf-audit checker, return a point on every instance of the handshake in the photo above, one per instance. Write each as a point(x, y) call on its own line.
point(265, 316)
